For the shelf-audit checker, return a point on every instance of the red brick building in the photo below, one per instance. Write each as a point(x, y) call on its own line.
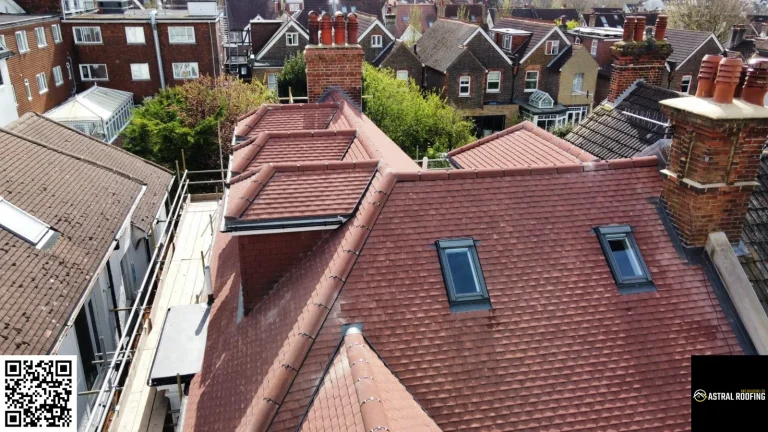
point(39, 65)
point(127, 52)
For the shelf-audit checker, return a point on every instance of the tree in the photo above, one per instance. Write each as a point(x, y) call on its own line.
point(294, 75)
point(420, 123)
point(716, 16)
point(414, 20)
point(462, 13)
point(189, 118)
point(505, 8)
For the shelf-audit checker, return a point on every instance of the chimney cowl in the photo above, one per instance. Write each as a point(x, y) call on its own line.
point(339, 28)
point(629, 29)
point(707, 73)
point(661, 27)
point(314, 27)
point(352, 29)
point(326, 29)
point(639, 28)
point(728, 75)
point(756, 82)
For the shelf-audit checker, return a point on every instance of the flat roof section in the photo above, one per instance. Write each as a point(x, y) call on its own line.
point(182, 345)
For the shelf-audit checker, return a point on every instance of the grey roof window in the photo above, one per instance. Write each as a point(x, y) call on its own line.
point(463, 275)
point(624, 259)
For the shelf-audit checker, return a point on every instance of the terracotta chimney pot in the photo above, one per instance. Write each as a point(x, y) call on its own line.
point(707, 74)
point(661, 27)
point(326, 29)
point(742, 80)
point(352, 29)
point(629, 29)
point(314, 27)
point(728, 75)
point(339, 29)
point(756, 83)
point(639, 28)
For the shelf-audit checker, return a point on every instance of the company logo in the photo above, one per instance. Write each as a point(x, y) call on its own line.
point(699, 395)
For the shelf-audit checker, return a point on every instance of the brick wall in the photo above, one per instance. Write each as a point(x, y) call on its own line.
point(492, 60)
point(434, 79)
point(402, 58)
point(370, 52)
point(701, 151)
point(335, 67)
point(628, 69)
point(265, 259)
point(37, 60)
point(549, 80)
point(118, 55)
point(465, 65)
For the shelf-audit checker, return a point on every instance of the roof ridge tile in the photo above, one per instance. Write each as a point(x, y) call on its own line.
point(368, 393)
point(236, 208)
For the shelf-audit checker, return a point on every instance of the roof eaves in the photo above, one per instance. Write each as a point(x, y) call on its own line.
point(493, 44)
point(543, 40)
point(279, 33)
point(711, 36)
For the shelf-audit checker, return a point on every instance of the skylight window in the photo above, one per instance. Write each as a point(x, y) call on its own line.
point(25, 226)
point(463, 276)
point(624, 259)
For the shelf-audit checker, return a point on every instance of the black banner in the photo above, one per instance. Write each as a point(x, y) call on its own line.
point(728, 392)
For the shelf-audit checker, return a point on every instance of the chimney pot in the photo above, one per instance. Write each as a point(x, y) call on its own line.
point(326, 29)
point(756, 82)
point(352, 29)
point(314, 28)
point(629, 29)
point(661, 27)
point(639, 28)
point(728, 75)
point(707, 73)
point(339, 29)
point(742, 81)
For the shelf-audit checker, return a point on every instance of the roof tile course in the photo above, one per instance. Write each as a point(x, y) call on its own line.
point(685, 42)
point(87, 203)
point(522, 145)
point(443, 43)
point(61, 137)
point(286, 118)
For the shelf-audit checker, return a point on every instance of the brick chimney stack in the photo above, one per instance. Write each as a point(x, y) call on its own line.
point(636, 57)
point(715, 152)
point(336, 60)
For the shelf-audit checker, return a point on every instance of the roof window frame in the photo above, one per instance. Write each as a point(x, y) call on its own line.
point(44, 237)
point(463, 302)
point(626, 285)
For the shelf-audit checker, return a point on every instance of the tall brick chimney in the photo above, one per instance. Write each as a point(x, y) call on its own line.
point(715, 153)
point(336, 60)
point(636, 57)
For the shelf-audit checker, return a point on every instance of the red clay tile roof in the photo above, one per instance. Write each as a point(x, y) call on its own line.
point(59, 136)
point(88, 203)
point(284, 147)
point(297, 191)
point(521, 145)
point(561, 348)
point(293, 117)
point(355, 375)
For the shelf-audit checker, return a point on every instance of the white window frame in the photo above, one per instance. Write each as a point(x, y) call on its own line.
point(377, 41)
point(552, 47)
point(90, 77)
point(42, 42)
point(272, 82)
point(497, 80)
point(56, 32)
point(402, 75)
point(468, 84)
point(506, 42)
point(141, 67)
point(593, 47)
point(577, 78)
point(292, 39)
point(525, 87)
point(42, 83)
point(28, 89)
point(135, 31)
point(78, 33)
point(687, 85)
point(293, 7)
point(58, 78)
point(21, 41)
point(175, 39)
point(181, 77)
point(2, 42)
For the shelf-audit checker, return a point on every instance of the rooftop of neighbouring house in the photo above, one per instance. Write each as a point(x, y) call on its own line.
point(538, 31)
point(608, 18)
point(444, 42)
point(686, 42)
point(755, 236)
point(522, 145)
point(427, 15)
point(545, 14)
point(57, 136)
point(144, 15)
point(13, 20)
point(80, 205)
point(633, 124)
point(555, 313)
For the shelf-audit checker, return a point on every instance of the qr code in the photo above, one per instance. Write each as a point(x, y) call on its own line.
point(38, 393)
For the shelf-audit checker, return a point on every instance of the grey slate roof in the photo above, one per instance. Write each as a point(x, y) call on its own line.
point(538, 31)
point(60, 137)
point(441, 45)
point(610, 133)
point(684, 42)
point(755, 236)
point(84, 201)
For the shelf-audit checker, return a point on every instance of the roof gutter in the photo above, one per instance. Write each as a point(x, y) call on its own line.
point(153, 21)
point(96, 273)
point(323, 223)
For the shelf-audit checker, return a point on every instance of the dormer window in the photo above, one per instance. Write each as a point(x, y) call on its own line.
point(376, 41)
point(553, 47)
point(507, 42)
point(462, 274)
point(624, 259)
point(292, 39)
point(25, 226)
